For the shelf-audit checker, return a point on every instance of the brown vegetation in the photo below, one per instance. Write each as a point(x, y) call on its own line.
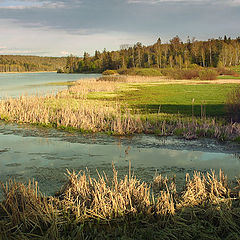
point(195, 73)
point(226, 71)
point(104, 208)
point(71, 109)
point(233, 104)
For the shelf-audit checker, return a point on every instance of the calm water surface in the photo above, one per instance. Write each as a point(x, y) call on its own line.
point(17, 84)
point(28, 152)
point(45, 154)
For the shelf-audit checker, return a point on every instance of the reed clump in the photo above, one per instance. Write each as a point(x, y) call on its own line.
point(233, 104)
point(107, 208)
point(93, 116)
point(74, 109)
point(82, 88)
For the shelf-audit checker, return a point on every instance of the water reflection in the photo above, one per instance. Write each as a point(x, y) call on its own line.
point(44, 154)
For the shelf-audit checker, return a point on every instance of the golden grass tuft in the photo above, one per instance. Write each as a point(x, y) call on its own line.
point(107, 208)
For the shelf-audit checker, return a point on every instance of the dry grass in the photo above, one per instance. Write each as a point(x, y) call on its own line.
point(131, 79)
point(103, 116)
point(94, 116)
point(82, 88)
point(71, 109)
point(233, 104)
point(104, 208)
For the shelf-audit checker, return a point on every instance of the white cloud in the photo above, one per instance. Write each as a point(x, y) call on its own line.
point(54, 42)
point(221, 2)
point(27, 4)
point(65, 53)
point(17, 51)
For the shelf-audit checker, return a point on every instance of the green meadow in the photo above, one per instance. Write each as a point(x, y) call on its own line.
point(173, 98)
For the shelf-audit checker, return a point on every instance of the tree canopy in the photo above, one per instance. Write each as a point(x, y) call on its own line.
point(223, 52)
point(16, 63)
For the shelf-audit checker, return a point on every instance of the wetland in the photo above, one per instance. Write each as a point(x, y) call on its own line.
point(51, 145)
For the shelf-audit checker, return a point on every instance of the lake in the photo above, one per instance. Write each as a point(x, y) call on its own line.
point(17, 84)
point(28, 152)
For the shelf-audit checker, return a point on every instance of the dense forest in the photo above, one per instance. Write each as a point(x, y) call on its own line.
point(221, 52)
point(15, 63)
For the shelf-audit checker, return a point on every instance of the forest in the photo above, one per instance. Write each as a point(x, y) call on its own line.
point(16, 63)
point(221, 52)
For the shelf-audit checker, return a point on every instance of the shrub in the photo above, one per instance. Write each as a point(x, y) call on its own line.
point(226, 71)
point(194, 73)
point(190, 73)
point(110, 72)
point(126, 71)
point(208, 74)
point(194, 66)
point(112, 78)
point(181, 73)
point(148, 72)
point(151, 72)
point(233, 104)
point(60, 70)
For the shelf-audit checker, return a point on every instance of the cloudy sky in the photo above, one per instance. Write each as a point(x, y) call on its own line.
point(57, 28)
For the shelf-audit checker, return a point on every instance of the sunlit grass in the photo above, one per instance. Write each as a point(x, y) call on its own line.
point(228, 77)
point(113, 208)
point(126, 108)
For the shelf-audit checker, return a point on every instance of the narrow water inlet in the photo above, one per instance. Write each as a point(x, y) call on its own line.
point(28, 152)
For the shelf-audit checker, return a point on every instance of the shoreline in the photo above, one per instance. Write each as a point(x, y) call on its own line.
point(28, 72)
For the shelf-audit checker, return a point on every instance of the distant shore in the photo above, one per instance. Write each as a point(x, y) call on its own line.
point(28, 72)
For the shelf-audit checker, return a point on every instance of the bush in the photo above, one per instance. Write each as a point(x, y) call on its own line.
point(190, 74)
point(233, 104)
point(126, 71)
point(208, 74)
point(110, 72)
point(112, 78)
point(151, 72)
point(60, 70)
point(194, 66)
point(181, 73)
point(147, 72)
point(227, 71)
point(203, 74)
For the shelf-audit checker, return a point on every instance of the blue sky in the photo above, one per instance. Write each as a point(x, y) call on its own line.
point(57, 28)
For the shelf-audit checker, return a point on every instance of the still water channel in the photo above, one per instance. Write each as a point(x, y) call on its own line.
point(28, 152)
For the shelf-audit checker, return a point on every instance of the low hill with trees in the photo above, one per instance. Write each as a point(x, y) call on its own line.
point(221, 52)
point(16, 63)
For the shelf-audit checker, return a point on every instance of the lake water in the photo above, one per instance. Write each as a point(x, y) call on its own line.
point(28, 152)
point(17, 84)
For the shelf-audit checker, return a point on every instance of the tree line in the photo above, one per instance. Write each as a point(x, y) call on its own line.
point(16, 63)
point(221, 52)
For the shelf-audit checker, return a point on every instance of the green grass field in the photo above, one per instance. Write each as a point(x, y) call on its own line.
point(175, 98)
point(228, 77)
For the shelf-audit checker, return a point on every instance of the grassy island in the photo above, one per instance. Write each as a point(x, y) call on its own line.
point(124, 105)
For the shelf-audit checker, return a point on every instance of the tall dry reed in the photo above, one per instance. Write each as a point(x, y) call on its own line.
point(72, 109)
point(92, 208)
